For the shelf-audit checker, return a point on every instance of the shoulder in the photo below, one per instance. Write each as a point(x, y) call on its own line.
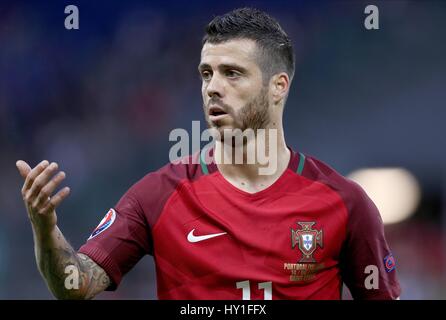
point(173, 173)
point(351, 192)
point(153, 190)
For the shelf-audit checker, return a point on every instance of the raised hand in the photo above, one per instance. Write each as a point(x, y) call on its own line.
point(37, 192)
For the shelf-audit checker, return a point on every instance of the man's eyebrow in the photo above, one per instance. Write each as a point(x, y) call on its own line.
point(203, 66)
point(224, 66)
point(227, 66)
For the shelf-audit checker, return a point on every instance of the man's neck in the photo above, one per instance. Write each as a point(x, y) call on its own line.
point(263, 160)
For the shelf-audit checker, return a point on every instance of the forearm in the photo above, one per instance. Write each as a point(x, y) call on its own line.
point(54, 254)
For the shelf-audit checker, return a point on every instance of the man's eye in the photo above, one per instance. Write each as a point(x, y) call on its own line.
point(206, 75)
point(232, 73)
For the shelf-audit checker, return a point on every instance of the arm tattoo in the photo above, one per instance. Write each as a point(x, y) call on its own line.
point(52, 262)
point(98, 278)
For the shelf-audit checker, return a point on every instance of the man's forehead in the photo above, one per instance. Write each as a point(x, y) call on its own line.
point(238, 49)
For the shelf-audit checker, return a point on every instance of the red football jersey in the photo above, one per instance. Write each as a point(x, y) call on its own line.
point(300, 238)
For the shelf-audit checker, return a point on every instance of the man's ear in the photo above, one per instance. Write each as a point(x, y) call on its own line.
point(280, 84)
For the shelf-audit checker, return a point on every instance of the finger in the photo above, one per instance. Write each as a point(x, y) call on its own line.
point(33, 174)
point(56, 200)
point(41, 180)
point(48, 190)
point(23, 168)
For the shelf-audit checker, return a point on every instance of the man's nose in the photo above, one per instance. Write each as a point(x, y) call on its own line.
point(215, 86)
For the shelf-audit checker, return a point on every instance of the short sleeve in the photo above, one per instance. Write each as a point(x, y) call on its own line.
point(121, 239)
point(366, 251)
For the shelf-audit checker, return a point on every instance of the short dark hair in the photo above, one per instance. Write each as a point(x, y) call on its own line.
point(276, 49)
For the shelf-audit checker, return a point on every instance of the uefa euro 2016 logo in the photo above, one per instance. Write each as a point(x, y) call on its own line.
point(307, 240)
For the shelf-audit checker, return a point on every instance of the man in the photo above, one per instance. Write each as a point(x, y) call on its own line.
point(220, 230)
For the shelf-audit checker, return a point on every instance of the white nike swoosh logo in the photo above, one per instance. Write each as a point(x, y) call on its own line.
point(192, 238)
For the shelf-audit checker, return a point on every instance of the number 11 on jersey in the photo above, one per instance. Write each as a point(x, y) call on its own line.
point(246, 290)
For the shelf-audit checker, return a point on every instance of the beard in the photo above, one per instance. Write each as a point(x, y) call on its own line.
point(253, 115)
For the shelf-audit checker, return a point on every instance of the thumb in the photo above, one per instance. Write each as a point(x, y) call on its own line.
point(23, 168)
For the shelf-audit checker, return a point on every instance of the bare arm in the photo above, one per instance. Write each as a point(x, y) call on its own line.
point(53, 252)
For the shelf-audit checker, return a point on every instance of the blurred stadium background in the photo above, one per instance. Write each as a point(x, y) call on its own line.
point(102, 100)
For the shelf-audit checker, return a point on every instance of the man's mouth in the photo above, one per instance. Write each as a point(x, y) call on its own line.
point(216, 112)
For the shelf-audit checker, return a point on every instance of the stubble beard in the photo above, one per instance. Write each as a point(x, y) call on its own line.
point(254, 115)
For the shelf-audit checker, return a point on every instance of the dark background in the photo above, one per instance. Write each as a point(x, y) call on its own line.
point(102, 100)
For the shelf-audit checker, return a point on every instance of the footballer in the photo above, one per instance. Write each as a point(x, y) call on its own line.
point(219, 230)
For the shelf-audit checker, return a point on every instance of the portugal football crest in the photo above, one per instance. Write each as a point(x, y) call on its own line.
point(307, 240)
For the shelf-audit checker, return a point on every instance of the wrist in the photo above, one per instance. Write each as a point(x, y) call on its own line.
point(44, 234)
